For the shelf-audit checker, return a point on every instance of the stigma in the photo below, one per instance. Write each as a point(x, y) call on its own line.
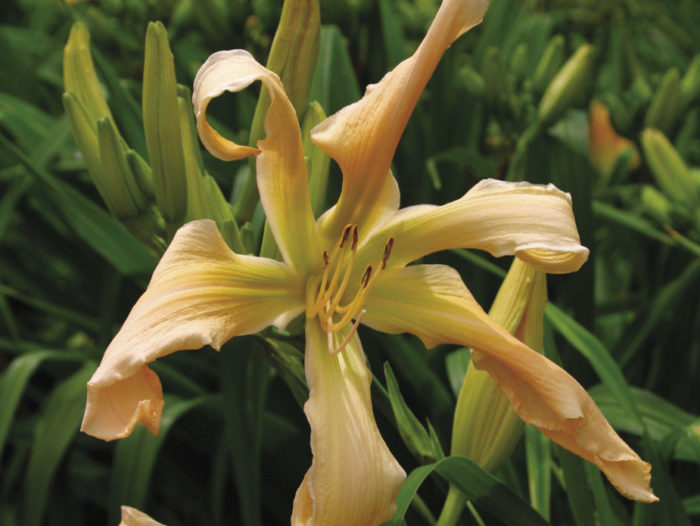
point(333, 297)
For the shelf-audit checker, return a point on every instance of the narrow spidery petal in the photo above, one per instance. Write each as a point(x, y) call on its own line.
point(534, 222)
point(281, 169)
point(431, 302)
point(201, 293)
point(362, 137)
point(134, 517)
point(353, 479)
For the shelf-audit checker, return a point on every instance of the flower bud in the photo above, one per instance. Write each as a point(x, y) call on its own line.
point(690, 84)
point(472, 81)
point(123, 194)
point(666, 103)
point(549, 64)
point(671, 173)
point(605, 146)
point(162, 127)
point(518, 62)
point(318, 163)
point(79, 74)
point(656, 204)
point(566, 86)
point(486, 429)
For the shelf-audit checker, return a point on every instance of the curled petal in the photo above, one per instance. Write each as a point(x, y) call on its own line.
point(431, 302)
point(134, 517)
point(281, 169)
point(354, 478)
point(201, 293)
point(534, 222)
point(362, 137)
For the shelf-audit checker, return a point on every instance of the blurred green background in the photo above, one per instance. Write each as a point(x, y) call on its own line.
point(233, 445)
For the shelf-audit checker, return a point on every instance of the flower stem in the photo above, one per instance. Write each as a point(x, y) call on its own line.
point(453, 508)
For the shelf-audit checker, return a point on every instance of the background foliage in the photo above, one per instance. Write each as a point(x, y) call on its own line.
point(233, 445)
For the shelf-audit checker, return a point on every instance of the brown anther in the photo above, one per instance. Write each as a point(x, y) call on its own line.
point(354, 238)
point(325, 259)
point(387, 251)
point(365, 276)
point(344, 236)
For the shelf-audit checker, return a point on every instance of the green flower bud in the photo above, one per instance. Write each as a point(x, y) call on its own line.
point(566, 86)
point(690, 84)
point(79, 75)
point(549, 64)
point(518, 62)
point(486, 429)
point(671, 173)
point(162, 127)
point(666, 103)
point(122, 193)
point(471, 80)
point(495, 82)
point(655, 204)
point(317, 162)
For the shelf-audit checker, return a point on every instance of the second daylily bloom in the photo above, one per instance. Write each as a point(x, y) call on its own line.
point(349, 267)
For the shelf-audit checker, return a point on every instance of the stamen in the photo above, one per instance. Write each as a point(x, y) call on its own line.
point(352, 332)
point(325, 260)
point(353, 246)
point(365, 277)
point(387, 251)
point(344, 236)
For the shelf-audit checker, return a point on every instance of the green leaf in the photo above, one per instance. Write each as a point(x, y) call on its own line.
point(539, 465)
point(487, 493)
point(95, 226)
point(14, 381)
point(56, 425)
point(424, 447)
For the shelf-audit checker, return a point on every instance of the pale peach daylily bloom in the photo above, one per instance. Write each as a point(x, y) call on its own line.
point(134, 517)
point(605, 146)
point(349, 267)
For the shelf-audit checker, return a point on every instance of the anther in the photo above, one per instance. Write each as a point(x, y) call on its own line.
point(387, 251)
point(365, 276)
point(325, 260)
point(344, 236)
point(354, 238)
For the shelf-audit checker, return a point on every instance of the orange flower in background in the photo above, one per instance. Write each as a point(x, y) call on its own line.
point(605, 146)
point(349, 267)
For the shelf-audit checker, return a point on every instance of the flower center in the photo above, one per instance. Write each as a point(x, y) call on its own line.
point(325, 293)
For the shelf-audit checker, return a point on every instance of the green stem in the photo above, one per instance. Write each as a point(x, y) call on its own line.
point(453, 508)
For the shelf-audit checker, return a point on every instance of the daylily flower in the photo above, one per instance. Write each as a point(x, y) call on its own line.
point(604, 144)
point(349, 267)
point(134, 517)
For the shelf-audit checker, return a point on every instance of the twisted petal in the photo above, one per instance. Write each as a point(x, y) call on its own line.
point(431, 302)
point(281, 170)
point(134, 517)
point(354, 478)
point(200, 294)
point(362, 137)
point(534, 222)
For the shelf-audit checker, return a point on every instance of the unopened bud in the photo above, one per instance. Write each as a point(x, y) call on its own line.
point(472, 81)
point(666, 103)
point(668, 168)
point(549, 64)
point(606, 147)
point(486, 429)
point(317, 162)
point(566, 86)
point(162, 127)
point(123, 195)
point(690, 84)
point(518, 62)
point(79, 75)
point(656, 204)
